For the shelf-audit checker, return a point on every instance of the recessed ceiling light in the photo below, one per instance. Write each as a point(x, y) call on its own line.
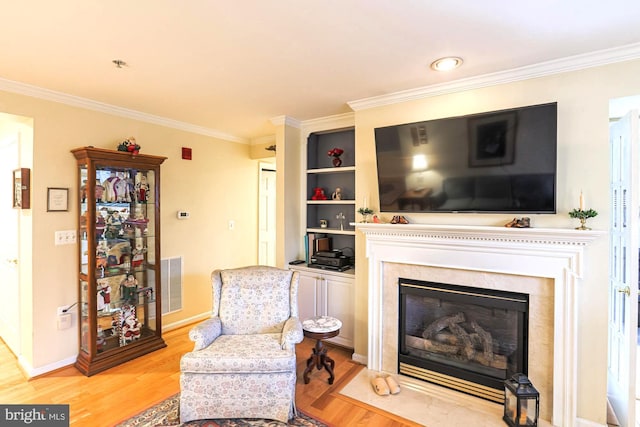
point(446, 64)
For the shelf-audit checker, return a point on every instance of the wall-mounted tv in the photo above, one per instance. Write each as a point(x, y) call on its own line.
point(494, 162)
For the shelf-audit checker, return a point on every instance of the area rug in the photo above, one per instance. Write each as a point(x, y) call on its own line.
point(165, 413)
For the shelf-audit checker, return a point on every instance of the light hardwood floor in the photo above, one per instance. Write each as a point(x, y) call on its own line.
point(123, 391)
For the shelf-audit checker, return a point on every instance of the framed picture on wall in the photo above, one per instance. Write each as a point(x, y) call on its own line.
point(21, 188)
point(492, 139)
point(57, 199)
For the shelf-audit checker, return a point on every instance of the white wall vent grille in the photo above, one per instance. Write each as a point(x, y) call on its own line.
point(171, 284)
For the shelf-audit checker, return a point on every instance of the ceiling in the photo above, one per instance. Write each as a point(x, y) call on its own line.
point(230, 66)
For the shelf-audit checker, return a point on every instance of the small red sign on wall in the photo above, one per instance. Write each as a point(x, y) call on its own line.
point(186, 153)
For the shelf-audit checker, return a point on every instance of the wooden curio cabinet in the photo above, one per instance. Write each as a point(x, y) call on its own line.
point(119, 257)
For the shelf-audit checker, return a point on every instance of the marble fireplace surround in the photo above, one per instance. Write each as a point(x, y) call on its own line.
point(532, 256)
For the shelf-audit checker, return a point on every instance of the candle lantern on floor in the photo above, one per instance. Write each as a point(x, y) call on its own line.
point(521, 402)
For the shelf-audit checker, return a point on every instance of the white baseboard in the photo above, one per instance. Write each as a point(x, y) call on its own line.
point(184, 322)
point(359, 358)
point(580, 422)
point(31, 372)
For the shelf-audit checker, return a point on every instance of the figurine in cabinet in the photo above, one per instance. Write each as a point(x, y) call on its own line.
point(109, 188)
point(101, 254)
point(99, 192)
point(114, 225)
point(142, 188)
point(131, 329)
point(121, 188)
point(138, 254)
point(129, 288)
point(105, 294)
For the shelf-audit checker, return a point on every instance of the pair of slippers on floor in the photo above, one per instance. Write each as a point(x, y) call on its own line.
point(383, 386)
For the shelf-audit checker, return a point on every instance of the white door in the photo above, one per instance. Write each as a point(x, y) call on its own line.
point(267, 215)
point(623, 275)
point(9, 283)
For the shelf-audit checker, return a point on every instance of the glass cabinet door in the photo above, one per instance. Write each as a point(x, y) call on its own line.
point(123, 227)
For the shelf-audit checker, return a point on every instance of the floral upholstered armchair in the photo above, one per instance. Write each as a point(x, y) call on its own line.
point(243, 364)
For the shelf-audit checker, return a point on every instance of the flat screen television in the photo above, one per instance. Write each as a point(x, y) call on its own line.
point(494, 162)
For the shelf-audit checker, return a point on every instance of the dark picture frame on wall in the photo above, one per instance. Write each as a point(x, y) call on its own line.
point(57, 199)
point(21, 188)
point(492, 139)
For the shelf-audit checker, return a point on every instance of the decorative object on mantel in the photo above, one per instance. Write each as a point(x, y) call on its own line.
point(365, 212)
point(336, 153)
point(583, 215)
point(377, 220)
point(521, 402)
point(524, 222)
point(130, 145)
point(399, 219)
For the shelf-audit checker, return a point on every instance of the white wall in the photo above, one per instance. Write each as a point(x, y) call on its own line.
point(218, 185)
point(583, 165)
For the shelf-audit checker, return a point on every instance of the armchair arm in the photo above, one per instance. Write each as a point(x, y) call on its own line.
point(291, 333)
point(205, 333)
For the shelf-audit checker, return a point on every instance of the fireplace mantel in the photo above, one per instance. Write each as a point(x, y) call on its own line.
point(556, 254)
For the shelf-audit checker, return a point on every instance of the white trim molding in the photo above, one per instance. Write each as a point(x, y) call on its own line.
point(563, 65)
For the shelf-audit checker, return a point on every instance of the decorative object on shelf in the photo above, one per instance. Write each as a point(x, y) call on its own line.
point(524, 222)
point(318, 194)
point(376, 220)
point(336, 153)
point(521, 402)
point(337, 195)
point(324, 223)
point(340, 217)
point(130, 145)
point(583, 215)
point(399, 219)
point(365, 212)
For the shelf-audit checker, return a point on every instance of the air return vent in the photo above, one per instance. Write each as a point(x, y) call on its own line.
point(171, 284)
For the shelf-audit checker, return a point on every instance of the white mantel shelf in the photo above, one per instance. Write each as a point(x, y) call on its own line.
point(552, 236)
point(555, 253)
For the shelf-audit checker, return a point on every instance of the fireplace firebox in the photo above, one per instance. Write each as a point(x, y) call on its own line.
point(464, 338)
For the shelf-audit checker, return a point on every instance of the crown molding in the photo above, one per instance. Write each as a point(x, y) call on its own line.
point(286, 120)
point(563, 65)
point(88, 104)
point(337, 121)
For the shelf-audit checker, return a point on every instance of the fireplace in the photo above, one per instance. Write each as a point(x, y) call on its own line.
point(546, 264)
point(464, 338)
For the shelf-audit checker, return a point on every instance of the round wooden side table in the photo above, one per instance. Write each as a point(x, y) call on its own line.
point(320, 328)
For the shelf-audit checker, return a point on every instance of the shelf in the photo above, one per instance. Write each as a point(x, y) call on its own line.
point(342, 169)
point(331, 231)
point(331, 202)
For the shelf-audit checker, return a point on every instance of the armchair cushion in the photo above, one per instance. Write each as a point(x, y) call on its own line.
point(241, 354)
point(254, 300)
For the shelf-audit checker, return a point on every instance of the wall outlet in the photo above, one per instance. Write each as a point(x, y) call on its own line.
point(64, 321)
